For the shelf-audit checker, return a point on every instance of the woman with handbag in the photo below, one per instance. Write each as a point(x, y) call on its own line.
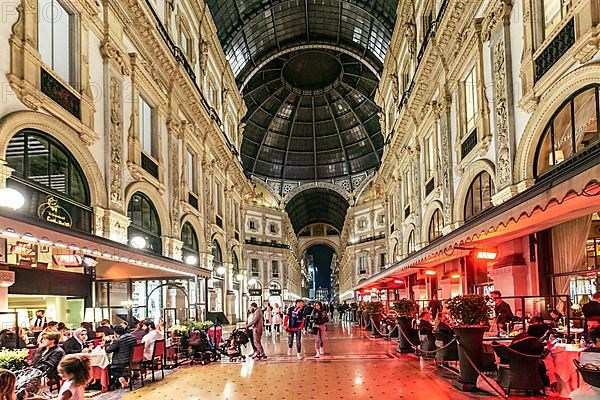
point(319, 318)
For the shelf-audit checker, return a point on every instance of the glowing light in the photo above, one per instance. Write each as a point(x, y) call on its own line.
point(221, 270)
point(455, 276)
point(252, 282)
point(487, 254)
point(398, 281)
point(358, 380)
point(430, 272)
point(10, 233)
point(11, 198)
point(137, 242)
point(191, 260)
point(239, 277)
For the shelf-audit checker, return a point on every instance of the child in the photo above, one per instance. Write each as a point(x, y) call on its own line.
point(7, 385)
point(76, 371)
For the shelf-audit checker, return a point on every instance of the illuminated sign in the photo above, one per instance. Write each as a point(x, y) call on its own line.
point(51, 211)
point(255, 292)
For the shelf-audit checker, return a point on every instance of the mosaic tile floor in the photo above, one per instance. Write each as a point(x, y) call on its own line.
point(354, 367)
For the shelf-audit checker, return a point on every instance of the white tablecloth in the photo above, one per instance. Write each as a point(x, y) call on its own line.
point(566, 372)
point(97, 358)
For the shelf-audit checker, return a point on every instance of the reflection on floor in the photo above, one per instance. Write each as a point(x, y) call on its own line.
point(354, 367)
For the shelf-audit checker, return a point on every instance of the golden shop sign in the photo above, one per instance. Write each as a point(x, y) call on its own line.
point(51, 211)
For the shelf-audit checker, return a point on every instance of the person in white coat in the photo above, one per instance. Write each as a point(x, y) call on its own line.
point(277, 318)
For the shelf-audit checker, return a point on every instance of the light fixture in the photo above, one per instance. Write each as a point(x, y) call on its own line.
point(455, 276)
point(137, 242)
point(252, 282)
point(11, 198)
point(191, 260)
point(89, 261)
point(9, 232)
point(487, 254)
point(398, 281)
point(430, 272)
point(221, 270)
point(239, 277)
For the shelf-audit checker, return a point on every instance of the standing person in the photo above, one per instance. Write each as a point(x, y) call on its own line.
point(122, 348)
point(277, 317)
point(435, 306)
point(319, 318)
point(268, 317)
point(76, 371)
point(307, 311)
point(255, 323)
point(7, 384)
point(591, 309)
point(40, 321)
point(149, 338)
point(504, 315)
point(293, 322)
point(331, 309)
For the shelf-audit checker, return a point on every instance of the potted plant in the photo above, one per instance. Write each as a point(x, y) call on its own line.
point(406, 310)
point(470, 313)
point(13, 360)
point(374, 310)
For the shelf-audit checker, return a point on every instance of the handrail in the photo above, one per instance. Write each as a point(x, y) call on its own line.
point(181, 58)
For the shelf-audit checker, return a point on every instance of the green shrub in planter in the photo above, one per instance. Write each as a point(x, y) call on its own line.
point(13, 360)
point(374, 307)
point(470, 309)
point(405, 308)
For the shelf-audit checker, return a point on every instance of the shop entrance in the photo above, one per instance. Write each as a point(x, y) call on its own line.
point(69, 310)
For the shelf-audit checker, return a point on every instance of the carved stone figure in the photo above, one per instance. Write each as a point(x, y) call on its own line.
point(116, 130)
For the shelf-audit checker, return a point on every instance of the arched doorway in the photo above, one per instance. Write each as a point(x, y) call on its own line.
point(318, 259)
point(218, 277)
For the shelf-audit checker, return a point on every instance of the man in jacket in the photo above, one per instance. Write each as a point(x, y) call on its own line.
point(255, 323)
point(122, 348)
point(49, 355)
point(293, 324)
point(504, 315)
point(591, 310)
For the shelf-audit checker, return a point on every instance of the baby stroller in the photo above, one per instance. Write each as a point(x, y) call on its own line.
point(202, 349)
point(232, 347)
point(29, 383)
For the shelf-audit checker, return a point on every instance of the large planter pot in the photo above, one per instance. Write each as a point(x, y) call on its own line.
point(404, 326)
point(471, 343)
point(375, 320)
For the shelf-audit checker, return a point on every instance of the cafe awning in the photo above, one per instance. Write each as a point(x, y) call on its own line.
point(115, 260)
point(553, 200)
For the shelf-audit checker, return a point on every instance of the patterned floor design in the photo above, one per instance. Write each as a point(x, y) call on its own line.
point(353, 368)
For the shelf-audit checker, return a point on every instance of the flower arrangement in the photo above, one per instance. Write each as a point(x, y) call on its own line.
point(470, 309)
point(201, 325)
point(374, 307)
point(405, 308)
point(13, 360)
point(180, 330)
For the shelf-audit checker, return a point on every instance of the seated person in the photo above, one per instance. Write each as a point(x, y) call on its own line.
point(52, 326)
point(75, 343)
point(91, 334)
point(49, 355)
point(442, 329)
point(152, 336)
point(538, 328)
point(122, 347)
point(105, 329)
point(556, 318)
point(589, 358)
point(9, 340)
point(426, 331)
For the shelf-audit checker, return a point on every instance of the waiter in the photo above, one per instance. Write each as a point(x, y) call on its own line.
point(40, 321)
point(504, 315)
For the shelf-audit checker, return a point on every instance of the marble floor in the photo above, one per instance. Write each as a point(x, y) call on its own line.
point(354, 367)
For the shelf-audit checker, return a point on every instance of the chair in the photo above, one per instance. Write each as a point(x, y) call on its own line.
point(449, 353)
point(518, 373)
point(136, 364)
point(589, 376)
point(157, 360)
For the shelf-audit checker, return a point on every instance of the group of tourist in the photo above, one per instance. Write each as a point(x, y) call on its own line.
point(297, 317)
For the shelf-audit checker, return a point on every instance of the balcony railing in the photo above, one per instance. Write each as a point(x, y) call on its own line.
point(555, 50)
point(180, 57)
point(468, 144)
point(369, 239)
point(267, 244)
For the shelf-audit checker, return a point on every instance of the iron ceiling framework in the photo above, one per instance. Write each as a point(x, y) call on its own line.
point(317, 206)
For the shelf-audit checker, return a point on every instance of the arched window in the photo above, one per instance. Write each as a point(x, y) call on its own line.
point(435, 225)
point(44, 169)
point(235, 265)
point(144, 222)
point(479, 195)
point(217, 253)
point(412, 246)
point(190, 246)
point(572, 128)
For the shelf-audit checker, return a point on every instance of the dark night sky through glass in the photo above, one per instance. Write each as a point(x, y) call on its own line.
point(322, 255)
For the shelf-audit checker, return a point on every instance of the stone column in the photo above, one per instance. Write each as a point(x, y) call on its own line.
point(496, 29)
point(7, 279)
point(442, 111)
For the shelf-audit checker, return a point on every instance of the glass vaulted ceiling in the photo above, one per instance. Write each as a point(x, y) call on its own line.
point(308, 73)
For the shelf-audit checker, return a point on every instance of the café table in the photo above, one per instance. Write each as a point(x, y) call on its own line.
point(100, 362)
point(574, 331)
point(566, 373)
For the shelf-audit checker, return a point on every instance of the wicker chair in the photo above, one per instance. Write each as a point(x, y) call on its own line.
point(518, 373)
point(589, 376)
